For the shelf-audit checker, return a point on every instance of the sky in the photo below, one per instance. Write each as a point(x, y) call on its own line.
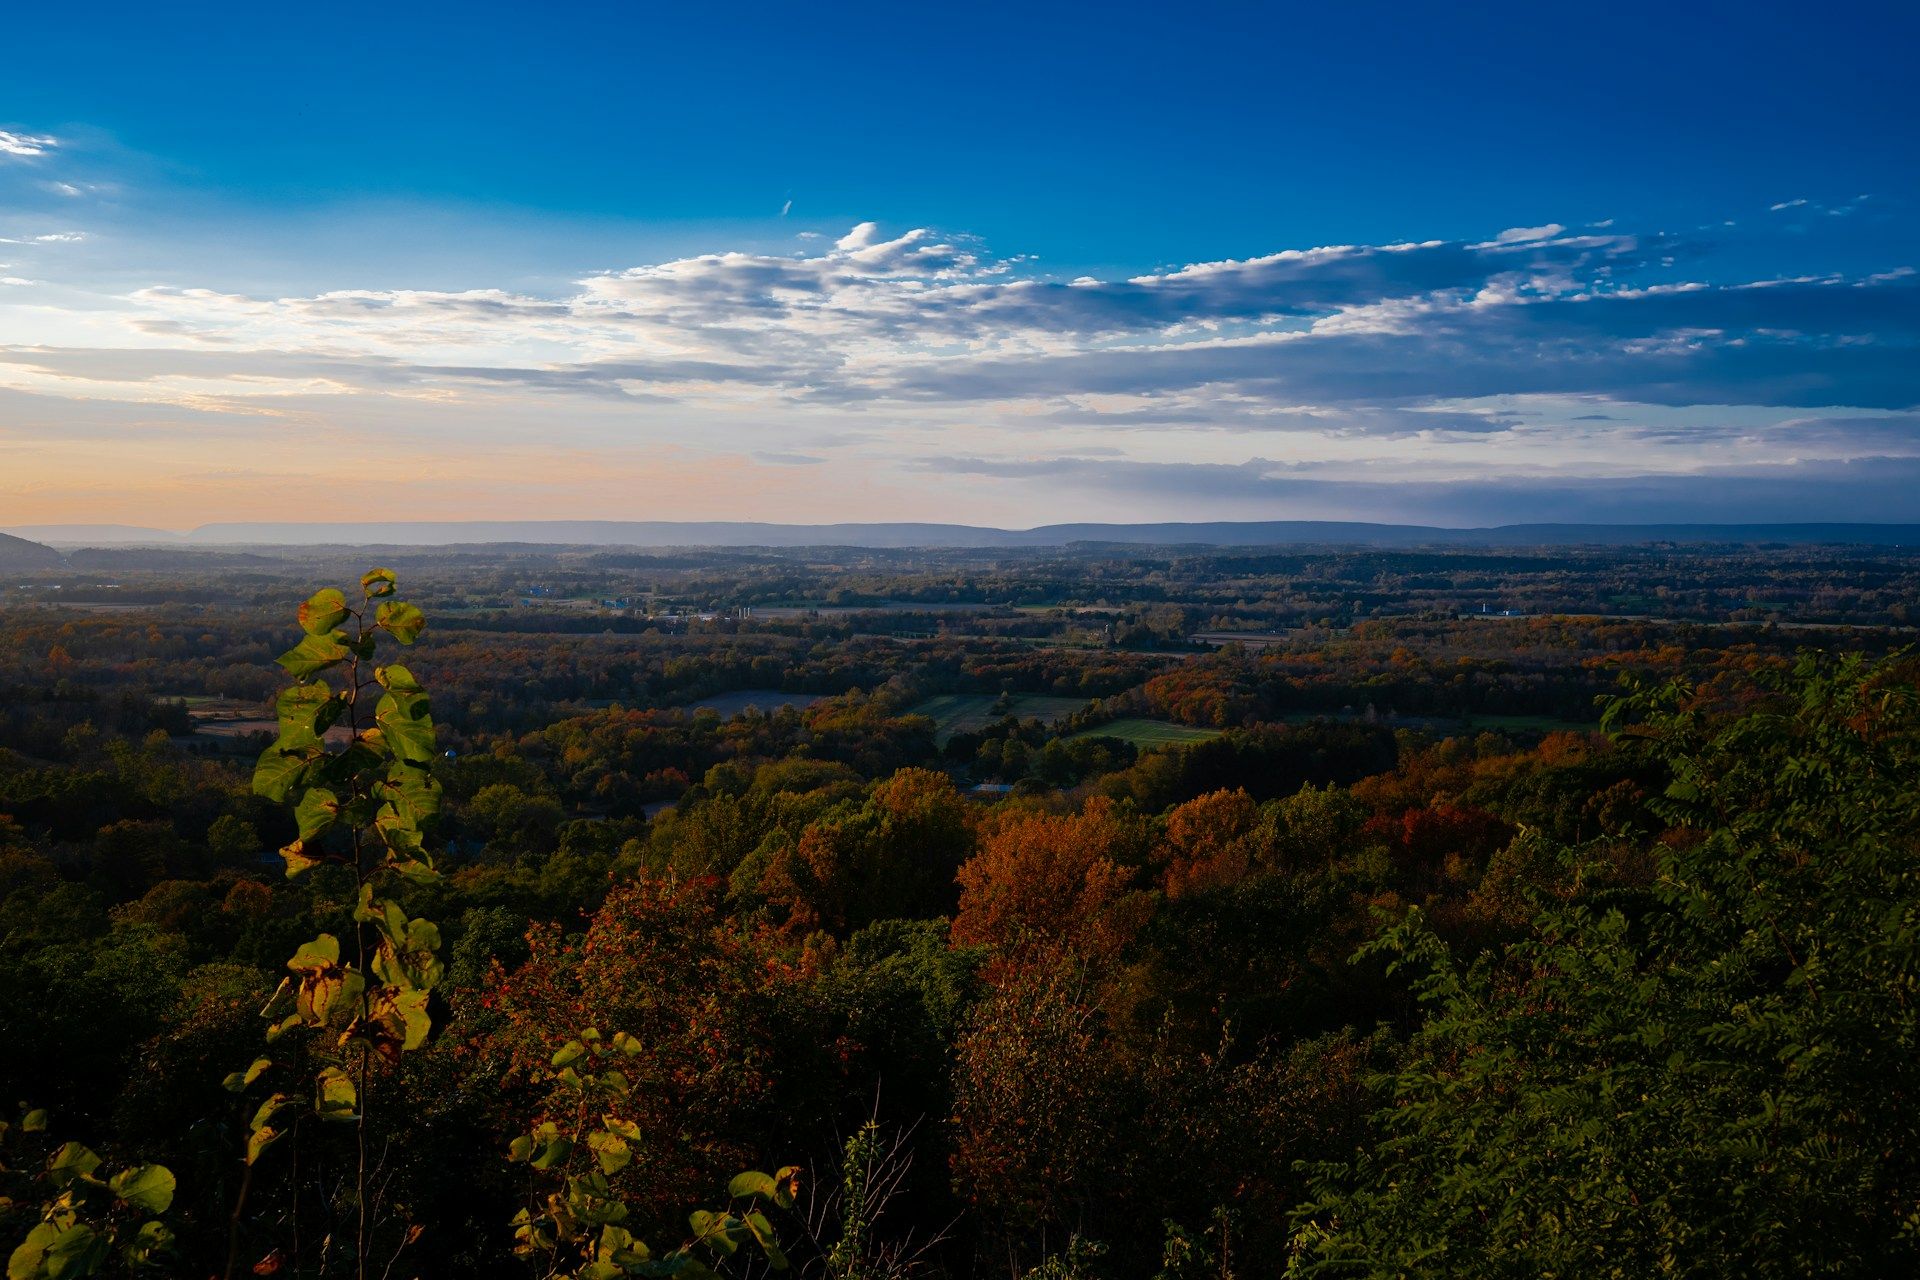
point(1007, 265)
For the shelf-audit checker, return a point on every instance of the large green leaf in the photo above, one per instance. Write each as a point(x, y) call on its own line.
point(71, 1162)
point(76, 1251)
point(280, 771)
point(146, 1186)
point(27, 1260)
point(402, 620)
point(555, 1152)
point(334, 1096)
point(406, 723)
point(317, 811)
point(611, 1150)
point(412, 792)
point(412, 1007)
point(323, 611)
point(315, 654)
point(397, 679)
point(305, 711)
point(317, 954)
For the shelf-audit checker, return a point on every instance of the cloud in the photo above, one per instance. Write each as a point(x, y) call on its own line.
point(25, 145)
point(1522, 235)
point(1535, 361)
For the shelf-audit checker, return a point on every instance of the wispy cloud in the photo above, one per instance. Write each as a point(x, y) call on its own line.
point(25, 145)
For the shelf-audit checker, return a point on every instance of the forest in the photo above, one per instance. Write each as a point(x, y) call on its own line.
point(1057, 914)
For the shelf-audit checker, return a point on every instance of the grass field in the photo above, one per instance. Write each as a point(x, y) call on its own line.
point(1149, 733)
point(953, 713)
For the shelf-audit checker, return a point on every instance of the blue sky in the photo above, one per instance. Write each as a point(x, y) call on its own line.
point(996, 264)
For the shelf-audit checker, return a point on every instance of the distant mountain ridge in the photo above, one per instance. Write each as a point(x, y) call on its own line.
point(725, 533)
point(19, 553)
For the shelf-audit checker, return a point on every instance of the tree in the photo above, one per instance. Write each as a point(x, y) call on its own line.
point(1720, 1083)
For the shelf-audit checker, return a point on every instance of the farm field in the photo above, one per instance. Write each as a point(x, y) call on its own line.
point(1148, 733)
point(953, 713)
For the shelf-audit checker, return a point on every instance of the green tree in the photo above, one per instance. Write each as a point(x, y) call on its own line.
point(1716, 1081)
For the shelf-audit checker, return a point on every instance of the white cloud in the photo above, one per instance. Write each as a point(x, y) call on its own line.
point(1521, 235)
point(25, 144)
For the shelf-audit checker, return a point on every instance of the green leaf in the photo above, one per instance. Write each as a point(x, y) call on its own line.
point(396, 679)
point(315, 654)
point(76, 1251)
point(751, 1184)
point(263, 1114)
point(262, 1133)
point(152, 1238)
point(324, 610)
point(259, 1140)
point(378, 582)
point(555, 1152)
point(611, 1150)
point(237, 1081)
point(769, 1243)
point(147, 1186)
point(305, 712)
point(34, 1121)
point(716, 1230)
point(406, 722)
point(410, 797)
point(317, 811)
point(296, 858)
point(322, 952)
point(334, 1096)
point(570, 1052)
point(401, 620)
point(416, 1022)
point(25, 1264)
point(71, 1162)
point(414, 871)
point(280, 771)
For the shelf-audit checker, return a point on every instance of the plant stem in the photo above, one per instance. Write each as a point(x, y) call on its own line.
point(233, 1222)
